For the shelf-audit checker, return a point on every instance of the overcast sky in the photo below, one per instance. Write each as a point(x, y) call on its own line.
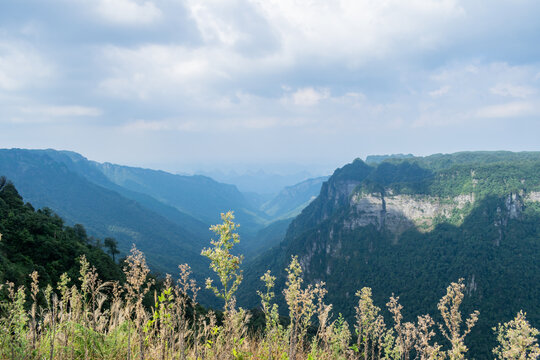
point(183, 85)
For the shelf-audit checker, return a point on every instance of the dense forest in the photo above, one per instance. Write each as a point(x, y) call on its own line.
point(38, 240)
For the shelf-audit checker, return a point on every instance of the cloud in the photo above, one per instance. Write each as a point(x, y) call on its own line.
point(439, 92)
point(508, 110)
point(21, 66)
point(513, 90)
point(128, 12)
point(289, 74)
point(45, 115)
point(64, 111)
point(309, 96)
point(162, 125)
point(244, 42)
point(157, 70)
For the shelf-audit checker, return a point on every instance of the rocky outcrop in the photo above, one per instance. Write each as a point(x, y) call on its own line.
point(397, 213)
point(533, 196)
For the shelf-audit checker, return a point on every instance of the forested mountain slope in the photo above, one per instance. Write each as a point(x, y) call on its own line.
point(411, 226)
point(200, 197)
point(290, 201)
point(40, 241)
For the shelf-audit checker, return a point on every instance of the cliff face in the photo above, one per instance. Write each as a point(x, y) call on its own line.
point(397, 213)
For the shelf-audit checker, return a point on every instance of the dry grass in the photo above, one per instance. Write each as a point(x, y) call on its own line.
point(107, 320)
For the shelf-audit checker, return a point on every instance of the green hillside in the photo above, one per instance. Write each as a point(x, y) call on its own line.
point(198, 196)
point(38, 240)
point(290, 201)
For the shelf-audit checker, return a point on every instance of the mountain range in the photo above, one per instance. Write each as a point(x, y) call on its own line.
point(166, 215)
point(398, 224)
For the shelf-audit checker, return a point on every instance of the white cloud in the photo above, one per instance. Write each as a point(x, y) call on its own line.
point(21, 66)
point(64, 111)
point(292, 32)
point(511, 109)
point(309, 96)
point(439, 92)
point(158, 70)
point(513, 90)
point(164, 125)
point(358, 30)
point(128, 12)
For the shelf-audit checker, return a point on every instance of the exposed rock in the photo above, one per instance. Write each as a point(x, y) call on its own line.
point(472, 286)
point(398, 213)
point(533, 196)
point(514, 205)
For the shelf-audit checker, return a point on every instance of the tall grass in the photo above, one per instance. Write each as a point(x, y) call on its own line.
point(107, 320)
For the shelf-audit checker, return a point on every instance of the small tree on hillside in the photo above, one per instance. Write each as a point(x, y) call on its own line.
point(222, 262)
point(517, 340)
point(112, 245)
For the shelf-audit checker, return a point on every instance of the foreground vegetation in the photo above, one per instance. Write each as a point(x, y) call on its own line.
point(108, 320)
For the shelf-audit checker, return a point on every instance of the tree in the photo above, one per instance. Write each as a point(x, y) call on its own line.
point(112, 245)
point(449, 308)
point(80, 232)
point(222, 262)
point(517, 340)
point(3, 182)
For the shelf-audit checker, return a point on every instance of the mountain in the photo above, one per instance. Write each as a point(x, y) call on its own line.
point(290, 201)
point(46, 182)
point(377, 159)
point(280, 209)
point(197, 195)
point(92, 172)
point(259, 182)
point(200, 197)
point(38, 240)
point(412, 226)
point(266, 238)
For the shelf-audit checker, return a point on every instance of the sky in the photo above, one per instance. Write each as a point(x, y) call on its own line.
point(286, 85)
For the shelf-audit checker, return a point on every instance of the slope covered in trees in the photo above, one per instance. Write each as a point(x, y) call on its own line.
point(38, 240)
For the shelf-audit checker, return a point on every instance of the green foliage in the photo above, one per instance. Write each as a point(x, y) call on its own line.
point(38, 240)
point(517, 339)
point(222, 262)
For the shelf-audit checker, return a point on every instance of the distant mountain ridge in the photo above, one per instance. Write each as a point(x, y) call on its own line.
point(260, 182)
point(199, 196)
point(290, 201)
point(166, 215)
